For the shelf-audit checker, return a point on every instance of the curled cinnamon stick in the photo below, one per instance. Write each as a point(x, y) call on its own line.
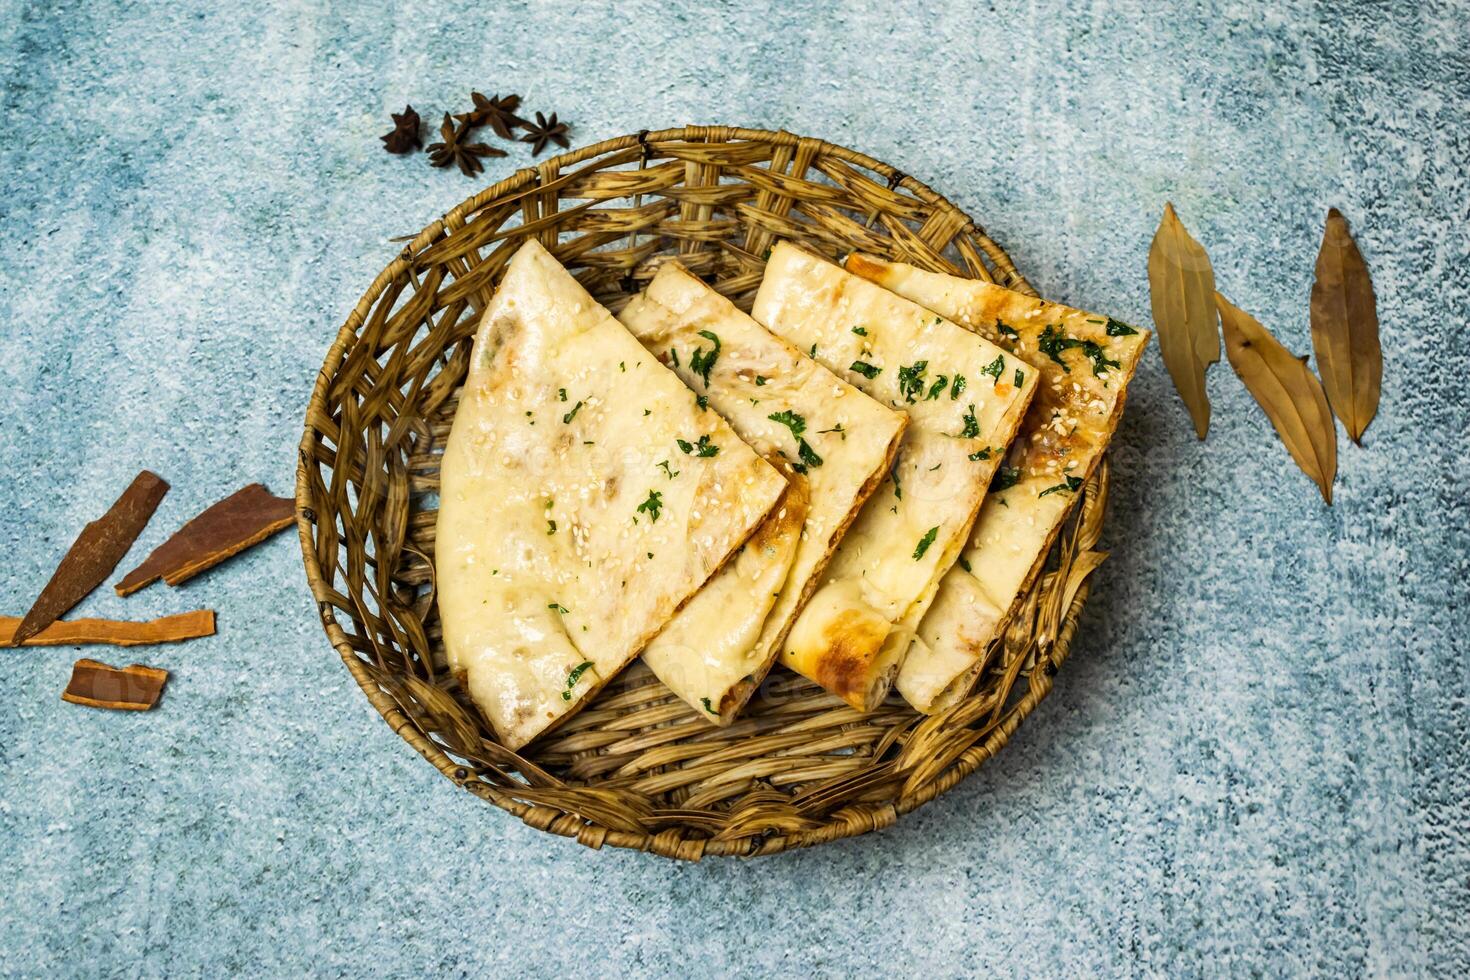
point(131, 688)
point(246, 517)
point(122, 633)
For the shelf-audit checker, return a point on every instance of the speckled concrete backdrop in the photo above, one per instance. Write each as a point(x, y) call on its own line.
point(1255, 761)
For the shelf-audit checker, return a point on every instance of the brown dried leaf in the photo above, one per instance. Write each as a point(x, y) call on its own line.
point(1345, 328)
point(1182, 290)
point(1287, 390)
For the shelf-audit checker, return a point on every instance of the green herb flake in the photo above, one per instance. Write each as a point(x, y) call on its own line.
point(574, 677)
point(705, 702)
point(1006, 331)
point(1100, 362)
point(937, 388)
point(957, 387)
point(1117, 328)
point(1071, 486)
point(925, 542)
point(551, 527)
point(557, 607)
point(860, 331)
point(893, 475)
point(836, 428)
point(813, 352)
point(972, 427)
point(561, 394)
point(911, 380)
point(791, 420)
point(622, 367)
point(980, 454)
point(964, 563)
point(653, 506)
point(1020, 377)
point(670, 473)
point(808, 455)
point(865, 369)
point(674, 356)
point(567, 418)
point(760, 382)
point(701, 448)
point(1053, 341)
point(702, 360)
point(702, 401)
point(995, 367)
point(1005, 478)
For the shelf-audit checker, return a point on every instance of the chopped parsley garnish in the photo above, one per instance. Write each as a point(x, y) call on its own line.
point(865, 369)
point(957, 387)
point(980, 454)
point(1100, 362)
point(702, 401)
point(964, 563)
point(561, 394)
point(705, 702)
point(911, 380)
point(674, 356)
point(813, 352)
point(670, 473)
point(551, 527)
point(1020, 378)
point(925, 542)
point(836, 428)
point(807, 454)
point(893, 475)
point(1117, 328)
point(1071, 486)
point(1005, 478)
point(972, 427)
point(567, 418)
point(937, 388)
point(701, 448)
point(791, 420)
point(995, 367)
point(1005, 331)
point(702, 360)
point(1053, 341)
point(653, 505)
point(760, 381)
point(574, 677)
point(557, 607)
point(860, 331)
point(622, 367)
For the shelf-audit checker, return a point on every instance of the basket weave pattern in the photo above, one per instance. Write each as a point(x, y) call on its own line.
point(638, 768)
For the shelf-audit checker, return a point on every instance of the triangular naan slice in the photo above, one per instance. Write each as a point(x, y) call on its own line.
point(964, 397)
point(1085, 362)
point(837, 445)
point(561, 547)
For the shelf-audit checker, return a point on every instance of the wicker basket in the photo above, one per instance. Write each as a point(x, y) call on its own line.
point(637, 768)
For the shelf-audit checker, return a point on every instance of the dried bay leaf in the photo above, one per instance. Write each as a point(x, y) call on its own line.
point(1287, 390)
point(1182, 292)
point(1345, 328)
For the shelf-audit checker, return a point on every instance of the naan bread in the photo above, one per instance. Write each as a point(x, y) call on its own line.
point(561, 547)
point(834, 444)
point(964, 397)
point(1085, 362)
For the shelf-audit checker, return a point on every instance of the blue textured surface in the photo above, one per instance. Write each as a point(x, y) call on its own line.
point(1255, 761)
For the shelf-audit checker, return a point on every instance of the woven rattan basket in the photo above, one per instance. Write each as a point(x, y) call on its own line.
point(637, 768)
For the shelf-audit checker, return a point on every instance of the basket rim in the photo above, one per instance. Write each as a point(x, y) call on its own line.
point(542, 817)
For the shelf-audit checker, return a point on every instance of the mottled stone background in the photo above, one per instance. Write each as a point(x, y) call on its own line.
point(1255, 761)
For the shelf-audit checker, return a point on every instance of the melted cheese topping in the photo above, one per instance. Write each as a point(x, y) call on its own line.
point(720, 646)
point(561, 548)
point(964, 397)
point(1085, 362)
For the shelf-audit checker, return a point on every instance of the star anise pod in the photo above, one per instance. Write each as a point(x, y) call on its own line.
point(466, 156)
point(543, 130)
point(405, 135)
point(499, 113)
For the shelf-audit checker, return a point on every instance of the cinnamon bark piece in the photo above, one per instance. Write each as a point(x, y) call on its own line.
point(246, 517)
point(131, 688)
point(94, 554)
point(114, 632)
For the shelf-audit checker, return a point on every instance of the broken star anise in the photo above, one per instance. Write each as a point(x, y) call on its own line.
point(452, 150)
point(499, 113)
point(405, 135)
point(545, 130)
